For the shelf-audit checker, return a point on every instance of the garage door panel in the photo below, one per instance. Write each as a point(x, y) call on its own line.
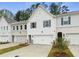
point(20, 38)
point(73, 38)
point(42, 39)
point(4, 38)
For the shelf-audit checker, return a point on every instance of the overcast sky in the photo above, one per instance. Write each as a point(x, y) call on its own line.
point(15, 6)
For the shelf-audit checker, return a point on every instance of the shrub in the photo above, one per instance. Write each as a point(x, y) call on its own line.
point(60, 48)
point(4, 42)
point(60, 43)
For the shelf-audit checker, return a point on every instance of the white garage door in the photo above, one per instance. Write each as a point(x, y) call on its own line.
point(20, 38)
point(4, 38)
point(42, 39)
point(73, 38)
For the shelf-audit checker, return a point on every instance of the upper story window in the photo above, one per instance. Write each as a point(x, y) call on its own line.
point(47, 23)
point(7, 27)
point(1, 27)
point(33, 25)
point(25, 26)
point(21, 27)
point(13, 27)
point(66, 21)
point(61, 21)
point(4, 27)
point(17, 27)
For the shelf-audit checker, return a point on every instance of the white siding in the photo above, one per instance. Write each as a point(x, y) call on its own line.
point(39, 16)
point(74, 20)
point(70, 29)
point(5, 35)
point(20, 35)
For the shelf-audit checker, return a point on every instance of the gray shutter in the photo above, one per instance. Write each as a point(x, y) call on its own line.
point(69, 18)
point(61, 21)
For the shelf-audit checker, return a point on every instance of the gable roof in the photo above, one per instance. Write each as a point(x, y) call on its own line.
point(40, 6)
point(9, 20)
point(69, 13)
point(43, 8)
point(24, 21)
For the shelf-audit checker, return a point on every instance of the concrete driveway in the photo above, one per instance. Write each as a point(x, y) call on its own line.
point(75, 50)
point(29, 51)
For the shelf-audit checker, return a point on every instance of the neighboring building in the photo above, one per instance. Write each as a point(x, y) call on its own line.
point(19, 31)
point(13, 31)
point(5, 29)
point(68, 24)
point(41, 28)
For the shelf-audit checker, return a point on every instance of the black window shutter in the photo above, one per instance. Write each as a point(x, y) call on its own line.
point(69, 20)
point(61, 21)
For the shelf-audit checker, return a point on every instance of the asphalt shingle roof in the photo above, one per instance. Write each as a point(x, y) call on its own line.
point(10, 20)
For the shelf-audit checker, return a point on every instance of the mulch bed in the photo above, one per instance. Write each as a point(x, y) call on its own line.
point(55, 52)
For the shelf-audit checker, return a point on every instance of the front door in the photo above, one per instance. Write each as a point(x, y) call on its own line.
point(12, 38)
point(59, 34)
point(30, 41)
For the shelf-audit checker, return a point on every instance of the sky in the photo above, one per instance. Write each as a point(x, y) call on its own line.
point(15, 6)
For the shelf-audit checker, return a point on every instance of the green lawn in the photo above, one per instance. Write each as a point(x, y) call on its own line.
point(5, 50)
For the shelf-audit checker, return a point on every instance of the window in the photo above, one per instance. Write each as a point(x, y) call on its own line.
point(25, 26)
point(61, 21)
point(17, 27)
point(13, 27)
point(47, 23)
point(1, 27)
point(21, 27)
point(4, 27)
point(66, 21)
point(33, 25)
point(7, 27)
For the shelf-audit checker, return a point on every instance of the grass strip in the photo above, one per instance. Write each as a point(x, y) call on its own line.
point(5, 50)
